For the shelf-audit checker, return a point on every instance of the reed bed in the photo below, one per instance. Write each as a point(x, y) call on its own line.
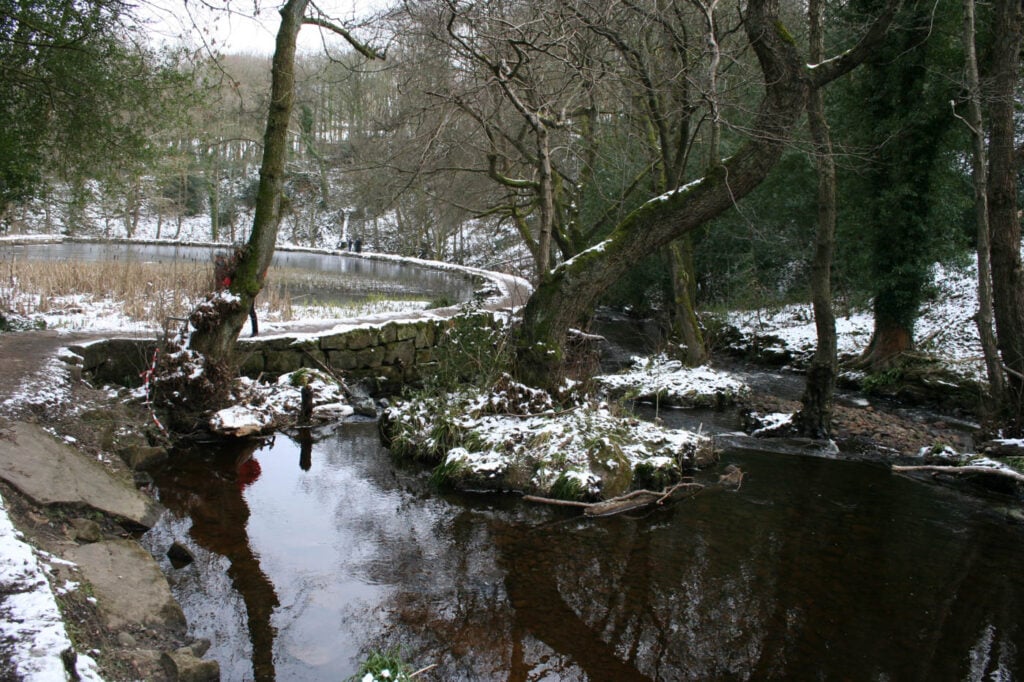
point(145, 292)
point(152, 293)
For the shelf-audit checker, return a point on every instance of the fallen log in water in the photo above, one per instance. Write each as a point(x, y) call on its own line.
point(638, 499)
point(960, 471)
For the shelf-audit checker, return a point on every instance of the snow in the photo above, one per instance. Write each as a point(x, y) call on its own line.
point(945, 327)
point(515, 438)
point(668, 382)
point(505, 435)
point(31, 628)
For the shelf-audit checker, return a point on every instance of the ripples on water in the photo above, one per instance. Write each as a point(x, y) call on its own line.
point(310, 555)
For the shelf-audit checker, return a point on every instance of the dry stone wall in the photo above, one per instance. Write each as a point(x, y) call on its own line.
point(385, 356)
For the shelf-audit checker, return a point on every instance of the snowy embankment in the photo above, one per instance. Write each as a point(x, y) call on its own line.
point(516, 438)
point(31, 626)
point(667, 382)
point(945, 328)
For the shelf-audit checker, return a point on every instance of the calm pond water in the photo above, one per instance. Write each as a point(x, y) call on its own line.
point(307, 277)
point(311, 554)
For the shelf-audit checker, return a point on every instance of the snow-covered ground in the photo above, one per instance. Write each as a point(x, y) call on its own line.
point(945, 327)
point(31, 625)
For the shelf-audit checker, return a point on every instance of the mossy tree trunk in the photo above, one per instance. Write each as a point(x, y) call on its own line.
point(685, 325)
point(1004, 221)
point(560, 302)
point(215, 334)
point(216, 339)
point(815, 416)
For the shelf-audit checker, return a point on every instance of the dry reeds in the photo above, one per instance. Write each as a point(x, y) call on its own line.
point(147, 292)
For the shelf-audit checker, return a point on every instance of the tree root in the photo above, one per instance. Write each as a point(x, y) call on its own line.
point(638, 499)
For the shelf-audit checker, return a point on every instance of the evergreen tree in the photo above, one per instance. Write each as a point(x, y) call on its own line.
point(78, 95)
point(896, 111)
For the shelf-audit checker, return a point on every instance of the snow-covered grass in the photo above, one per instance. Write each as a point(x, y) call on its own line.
point(262, 406)
point(135, 297)
point(667, 382)
point(516, 438)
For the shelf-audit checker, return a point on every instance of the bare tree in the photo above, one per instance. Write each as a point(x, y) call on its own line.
point(217, 326)
point(815, 416)
point(979, 163)
point(562, 300)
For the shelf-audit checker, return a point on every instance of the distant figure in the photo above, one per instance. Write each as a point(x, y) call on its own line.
point(359, 245)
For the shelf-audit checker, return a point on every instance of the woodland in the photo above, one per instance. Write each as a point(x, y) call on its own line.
point(665, 158)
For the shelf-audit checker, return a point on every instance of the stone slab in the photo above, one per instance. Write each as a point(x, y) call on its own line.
point(128, 585)
point(51, 472)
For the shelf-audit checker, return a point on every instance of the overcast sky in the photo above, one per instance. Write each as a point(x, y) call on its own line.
point(233, 26)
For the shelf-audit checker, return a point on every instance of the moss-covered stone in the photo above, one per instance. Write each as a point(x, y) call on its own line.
point(400, 352)
point(358, 339)
point(341, 359)
point(282, 362)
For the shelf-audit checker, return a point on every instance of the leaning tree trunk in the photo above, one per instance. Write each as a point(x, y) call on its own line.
point(1004, 223)
point(217, 330)
point(815, 416)
point(564, 299)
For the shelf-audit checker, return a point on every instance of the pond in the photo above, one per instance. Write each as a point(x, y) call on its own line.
point(303, 276)
point(310, 554)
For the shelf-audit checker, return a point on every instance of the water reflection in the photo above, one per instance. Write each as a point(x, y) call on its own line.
point(815, 569)
point(211, 491)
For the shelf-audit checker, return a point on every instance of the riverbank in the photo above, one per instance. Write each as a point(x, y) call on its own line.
point(80, 593)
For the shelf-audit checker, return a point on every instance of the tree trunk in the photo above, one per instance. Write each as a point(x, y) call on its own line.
point(215, 338)
point(1007, 272)
point(815, 416)
point(685, 324)
point(569, 293)
point(983, 319)
point(891, 338)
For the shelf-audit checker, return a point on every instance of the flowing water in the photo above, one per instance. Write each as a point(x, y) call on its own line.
point(310, 554)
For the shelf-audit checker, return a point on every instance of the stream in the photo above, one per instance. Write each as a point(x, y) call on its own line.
point(312, 552)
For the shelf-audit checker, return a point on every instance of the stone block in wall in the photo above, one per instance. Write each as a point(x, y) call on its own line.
point(341, 360)
point(426, 356)
point(400, 352)
point(370, 357)
point(283, 343)
point(313, 357)
point(358, 339)
point(334, 341)
point(408, 331)
point(389, 333)
point(118, 361)
point(282, 361)
point(426, 335)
